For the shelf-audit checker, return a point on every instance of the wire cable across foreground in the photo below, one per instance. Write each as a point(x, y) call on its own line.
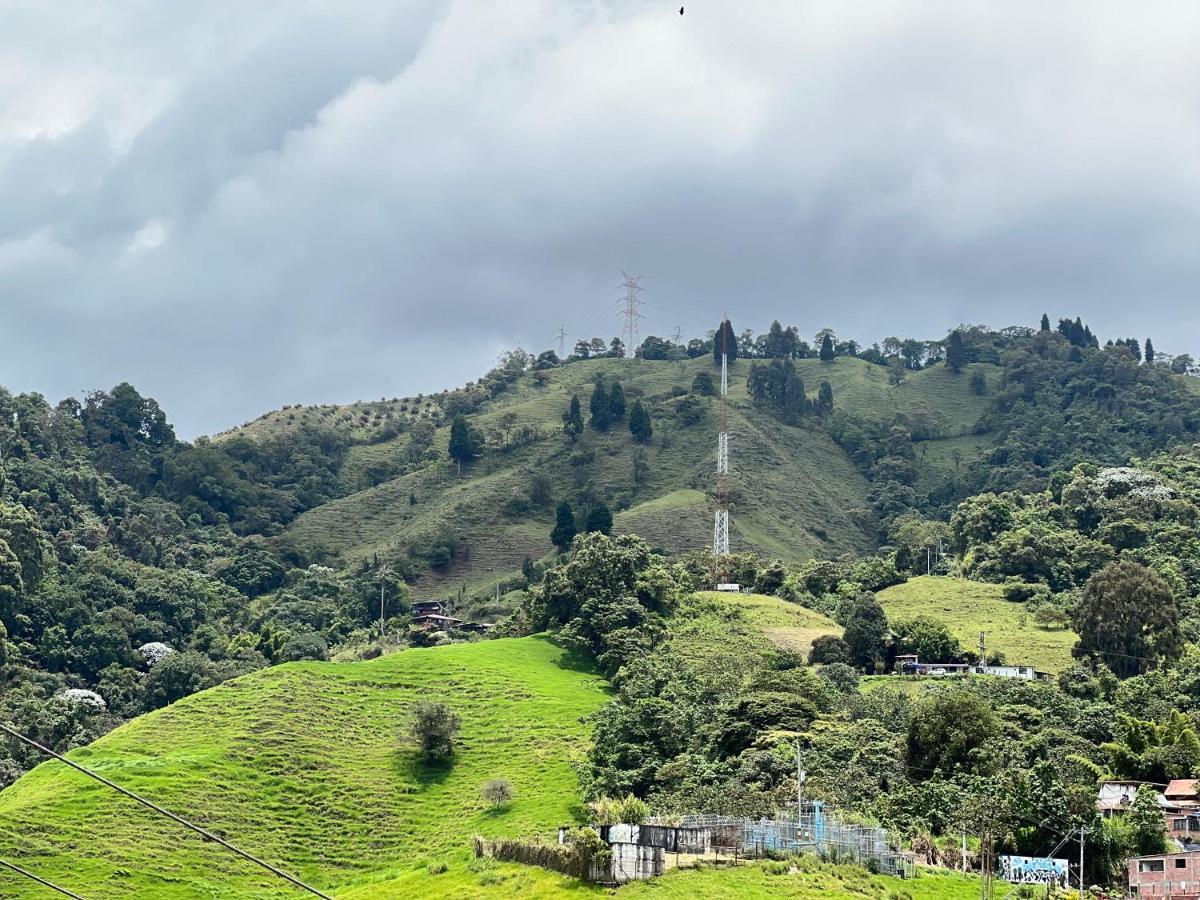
point(207, 835)
point(42, 881)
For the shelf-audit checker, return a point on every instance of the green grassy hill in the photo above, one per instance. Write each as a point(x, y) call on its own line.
point(969, 607)
point(795, 493)
point(751, 617)
point(305, 765)
point(806, 879)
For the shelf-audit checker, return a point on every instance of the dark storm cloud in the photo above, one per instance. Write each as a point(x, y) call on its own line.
point(256, 204)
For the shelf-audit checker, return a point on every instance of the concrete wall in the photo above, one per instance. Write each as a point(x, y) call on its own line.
point(631, 862)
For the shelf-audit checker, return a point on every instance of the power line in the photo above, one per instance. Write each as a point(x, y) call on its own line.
point(42, 881)
point(207, 835)
point(561, 334)
point(692, 303)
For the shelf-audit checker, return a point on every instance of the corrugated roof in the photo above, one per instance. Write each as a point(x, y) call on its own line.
point(1181, 787)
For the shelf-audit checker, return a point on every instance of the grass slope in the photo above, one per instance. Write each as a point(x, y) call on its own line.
point(804, 879)
point(302, 765)
point(788, 626)
point(794, 493)
point(969, 607)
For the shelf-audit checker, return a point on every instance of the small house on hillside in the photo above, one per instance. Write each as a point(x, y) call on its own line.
point(1182, 792)
point(428, 608)
point(910, 665)
point(1115, 797)
point(432, 620)
point(1025, 673)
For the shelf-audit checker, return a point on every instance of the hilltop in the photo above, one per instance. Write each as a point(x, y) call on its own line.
point(796, 493)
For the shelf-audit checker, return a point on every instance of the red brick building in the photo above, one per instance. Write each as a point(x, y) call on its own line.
point(1165, 876)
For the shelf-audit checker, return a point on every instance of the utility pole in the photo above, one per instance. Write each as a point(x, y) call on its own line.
point(963, 860)
point(1081, 861)
point(562, 345)
point(800, 776)
point(630, 311)
point(721, 523)
point(677, 334)
point(983, 648)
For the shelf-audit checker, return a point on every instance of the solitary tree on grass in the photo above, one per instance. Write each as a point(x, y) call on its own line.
point(956, 354)
point(462, 445)
point(497, 791)
point(616, 402)
point(639, 423)
point(600, 407)
point(827, 353)
point(573, 419)
point(434, 728)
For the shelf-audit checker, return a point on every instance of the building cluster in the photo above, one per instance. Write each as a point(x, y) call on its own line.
point(431, 615)
point(1166, 876)
point(910, 665)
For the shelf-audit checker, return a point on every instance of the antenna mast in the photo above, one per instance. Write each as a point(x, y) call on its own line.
point(721, 523)
point(630, 312)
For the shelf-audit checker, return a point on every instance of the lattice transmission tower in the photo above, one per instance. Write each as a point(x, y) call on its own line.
point(721, 523)
point(630, 303)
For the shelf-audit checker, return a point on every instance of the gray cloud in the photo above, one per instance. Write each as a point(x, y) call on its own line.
point(247, 205)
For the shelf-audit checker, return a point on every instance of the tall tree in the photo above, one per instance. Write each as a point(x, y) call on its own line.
point(616, 402)
point(599, 518)
point(725, 338)
point(866, 633)
point(1149, 355)
point(827, 349)
point(564, 526)
point(956, 354)
point(600, 407)
point(1045, 322)
point(462, 444)
point(639, 423)
point(824, 399)
point(1127, 616)
point(573, 419)
point(1145, 818)
point(795, 401)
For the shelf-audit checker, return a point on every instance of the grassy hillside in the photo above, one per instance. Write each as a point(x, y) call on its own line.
point(806, 879)
point(788, 626)
point(795, 494)
point(968, 607)
point(305, 765)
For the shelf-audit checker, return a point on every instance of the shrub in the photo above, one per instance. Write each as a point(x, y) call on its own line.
point(434, 728)
point(497, 791)
point(627, 810)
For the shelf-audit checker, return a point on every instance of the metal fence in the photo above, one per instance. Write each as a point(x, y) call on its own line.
point(814, 831)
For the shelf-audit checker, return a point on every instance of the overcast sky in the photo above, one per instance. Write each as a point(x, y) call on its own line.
point(240, 205)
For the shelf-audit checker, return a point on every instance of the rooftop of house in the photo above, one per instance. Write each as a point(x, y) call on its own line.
point(1182, 789)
